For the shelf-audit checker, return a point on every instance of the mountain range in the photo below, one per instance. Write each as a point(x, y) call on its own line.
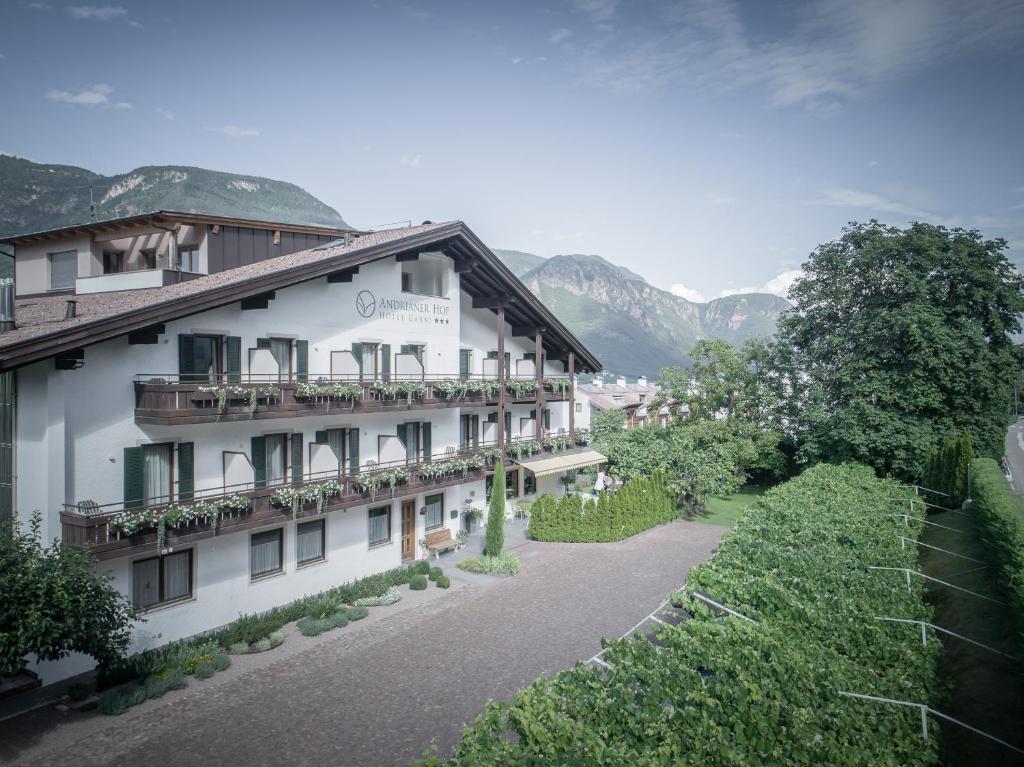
point(633, 327)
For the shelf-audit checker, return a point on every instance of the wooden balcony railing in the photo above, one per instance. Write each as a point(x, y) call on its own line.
point(111, 530)
point(163, 399)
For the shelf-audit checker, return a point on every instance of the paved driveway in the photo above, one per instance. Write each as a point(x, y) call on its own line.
point(380, 693)
point(1015, 454)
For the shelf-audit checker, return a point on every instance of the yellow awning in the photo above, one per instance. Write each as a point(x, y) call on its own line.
point(561, 463)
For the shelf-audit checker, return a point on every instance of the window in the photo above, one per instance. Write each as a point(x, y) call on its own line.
point(147, 258)
point(188, 258)
point(63, 269)
point(410, 435)
point(309, 542)
point(113, 261)
point(277, 458)
point(406, 282)
point(156, 473)
point(161, 580)
point(467, 437)
point(435, 510)
point(336, 439)
point(529, 482)
point(426, 276)
point(203, 360)
point(265, 551)
point(579, 407)
point(281, 348)
point(368, 362)
point(380, 525)
point(511, 485)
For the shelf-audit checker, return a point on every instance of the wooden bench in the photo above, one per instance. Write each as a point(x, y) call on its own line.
point(441, 540)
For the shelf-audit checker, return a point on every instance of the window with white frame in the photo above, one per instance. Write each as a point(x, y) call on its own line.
point(380, 525)
point(309, 542)
point(265, 553)
point(162, 580)
point(63, 269)
point(435, 510)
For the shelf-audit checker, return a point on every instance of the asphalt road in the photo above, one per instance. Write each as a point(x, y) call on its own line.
point(1015, 454)
point(381, 693)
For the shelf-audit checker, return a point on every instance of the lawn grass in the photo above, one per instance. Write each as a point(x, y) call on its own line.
point(724, 510)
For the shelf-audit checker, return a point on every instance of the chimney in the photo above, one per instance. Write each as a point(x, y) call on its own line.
point(620, 381)
point(598, 381)
point(69, 313)
point(641, 381)
point(6, 304)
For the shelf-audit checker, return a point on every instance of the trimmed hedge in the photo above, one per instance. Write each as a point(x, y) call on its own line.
point(725, 691)
point(1000, 513)
point(640, 505)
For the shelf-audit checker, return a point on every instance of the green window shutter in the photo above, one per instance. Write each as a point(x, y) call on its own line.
point(403, 433)
point(533, 414)
point(259, 462)
point(547, 419)
point(302, 360)
point(320, 438)
point(508, 361)
point(186, 357)
point(492, 418)
point(475, 426)
point(385, 362)
point(492, 355)
point(234, 354)
point(357, 352)
point(353, 450)
point(508, 423)
point(296, 450)
point(262, 343)
point(405, 349)
point(463, 364)
point(426, 442)
point(134, 479)
point(186, 471)
point(530, 356)
point(336, 439)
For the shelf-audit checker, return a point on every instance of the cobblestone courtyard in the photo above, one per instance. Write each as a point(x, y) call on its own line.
point(380, 692)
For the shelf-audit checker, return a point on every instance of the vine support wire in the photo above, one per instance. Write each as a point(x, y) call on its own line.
point(910, 572)
point(925, 710)
point(906, 518)
point(924, 636)
point(904, 539)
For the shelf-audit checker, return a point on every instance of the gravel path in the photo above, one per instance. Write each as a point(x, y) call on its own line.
point(380, 693)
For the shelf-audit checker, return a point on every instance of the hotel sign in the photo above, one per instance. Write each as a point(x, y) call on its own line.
point(422, 311)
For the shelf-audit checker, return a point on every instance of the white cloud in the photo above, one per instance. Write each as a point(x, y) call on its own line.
point(167, 114)
point(872, 163)
point(559, 35)
point(599, 11)
point(96, 96)
point(136, 24)
point(830, 52)
point(780, 284)
point(97, 12)
point(236, 131)
point(736, 291)
point(412, 161)
point(690, 294)
point(907, 204)
point(720, 199)
point(37, 6)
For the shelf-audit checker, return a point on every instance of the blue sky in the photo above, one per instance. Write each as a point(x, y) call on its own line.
point(706, 145)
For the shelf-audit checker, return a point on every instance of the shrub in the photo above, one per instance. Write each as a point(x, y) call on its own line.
point(56, 603)
point(435, 573)
point(221, 661)
point(204, 669)
point(1000, 514)
point(389, 597)
point(79, 691)
point(494, 536)
point(442, 582)
point(263, 645)
point(276, 638)
point(728, 691)
point(357, 613)
point(238, 648)
point(418, 583)
point(420, 567)
point(506, 563)
point(158, 684)
point(643, 503)
point(311, 627)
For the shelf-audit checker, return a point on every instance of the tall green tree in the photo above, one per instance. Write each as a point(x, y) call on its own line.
point(902, 336)
point(494, 536)
point(52, 603)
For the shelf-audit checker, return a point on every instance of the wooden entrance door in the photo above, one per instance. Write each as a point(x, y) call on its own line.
point(409, 529)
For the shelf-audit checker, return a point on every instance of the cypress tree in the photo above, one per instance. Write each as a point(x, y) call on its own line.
point(965, 450)
point(494, 538)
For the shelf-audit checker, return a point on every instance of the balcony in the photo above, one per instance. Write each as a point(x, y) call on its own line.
point(137, 279)
point(112, 531)
point(164, 399)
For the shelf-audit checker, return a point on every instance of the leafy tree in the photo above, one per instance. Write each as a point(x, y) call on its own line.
point(721, 382)
point(900, 336)
point(964, 459)
point(494, 537)
point(52, 603)
point(606, 425)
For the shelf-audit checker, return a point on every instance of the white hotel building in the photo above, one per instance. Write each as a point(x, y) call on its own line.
point(169, 383)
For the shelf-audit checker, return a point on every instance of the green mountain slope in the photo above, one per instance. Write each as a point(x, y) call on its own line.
point(34, 197)
point(633, 327)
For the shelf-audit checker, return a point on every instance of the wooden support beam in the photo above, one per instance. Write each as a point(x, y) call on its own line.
point(148, 335)
point(407, 257)
point(528, 330)
point(571, 370)
point(538, 364)
point(69, 360)
point(343, 275)
point(464, 267)
point(493, 302)
point(501, 374)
